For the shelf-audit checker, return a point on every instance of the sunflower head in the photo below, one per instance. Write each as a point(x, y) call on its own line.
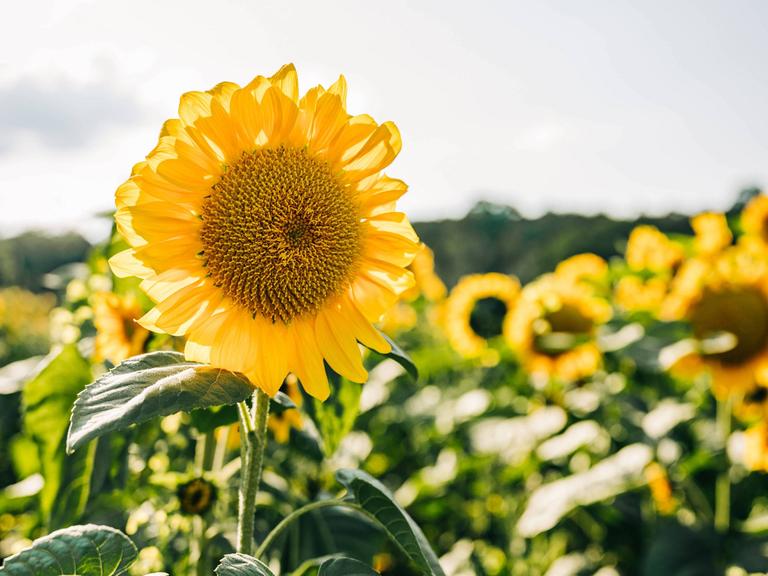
point(650, 249)
point(712, 233)
point(475, 311)
point(754, 219)
point(554, 325)
point(118, 335)
point(636, 294)
point(582, 267)
point(266, 233)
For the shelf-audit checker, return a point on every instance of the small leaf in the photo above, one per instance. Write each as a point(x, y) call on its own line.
point(242, 565)
point(345, 567)
point(373, 496)
point(147, 386)
point(398, 355)
point(83, 550)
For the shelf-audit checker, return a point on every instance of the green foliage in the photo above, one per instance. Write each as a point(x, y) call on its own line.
point(345, 567)
point(336, 416)
point(375, 499)
point(83, 550)
point(148, 386)
point(242, 565)
point(48, 400)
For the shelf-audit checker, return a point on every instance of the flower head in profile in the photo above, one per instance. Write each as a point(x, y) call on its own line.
point(118, 336)
point(475, 311)
point(266, 233)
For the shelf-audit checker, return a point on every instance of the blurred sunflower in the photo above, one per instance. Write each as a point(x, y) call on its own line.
point(265, 232)
point(281, 423)
point(712, 234)
point(582, 268)
point(554, 327)
point(726, 303)
point(650, 249)
point(756, 447)
point(428, 283)
point(475, 311)
point(634, 293)
point(118, 335)
point(754, 220)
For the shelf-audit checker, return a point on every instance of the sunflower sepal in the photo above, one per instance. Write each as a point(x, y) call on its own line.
point(149, 386)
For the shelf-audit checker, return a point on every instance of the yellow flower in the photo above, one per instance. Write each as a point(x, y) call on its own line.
point(400, 318)
point(265, 232)
point(582, 267)
point(118, 336)
point(650, 249)
point(469, 328)
point(661, 490)
point(712, 233)
point(427, 282)
point(635, 294)
point(756, 447)
point(754, 219)
point(554, 327)
point(726, 304)
point(281, 424)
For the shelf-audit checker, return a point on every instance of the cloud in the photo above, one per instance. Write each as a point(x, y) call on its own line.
point(62, 114)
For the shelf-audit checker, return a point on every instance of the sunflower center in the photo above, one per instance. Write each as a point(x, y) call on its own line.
point(280, 233)
point(742, 312)
point(561, 330)
point(487, 317)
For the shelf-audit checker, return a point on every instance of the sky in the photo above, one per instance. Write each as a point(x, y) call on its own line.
point(589, 106)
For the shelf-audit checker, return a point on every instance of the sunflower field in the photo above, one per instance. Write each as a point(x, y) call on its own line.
point(263, 372)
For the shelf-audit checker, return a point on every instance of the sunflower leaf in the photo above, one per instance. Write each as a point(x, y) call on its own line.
point(148, 386)
point(398, 355)
point(88, 550)
point(345, 567)
point(375, 499)
point(242, 565)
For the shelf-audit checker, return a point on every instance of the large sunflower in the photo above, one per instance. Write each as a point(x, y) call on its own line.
point(475, 311)
point(554, 327)
point(726, 303)
point(266, 233)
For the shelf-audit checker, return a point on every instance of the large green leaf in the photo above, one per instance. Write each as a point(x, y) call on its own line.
point(336, 415)
point(242, 565)
point(148, 386)
point(48, 400)
point(345, 567)
point(375, 499)
point(82, 550)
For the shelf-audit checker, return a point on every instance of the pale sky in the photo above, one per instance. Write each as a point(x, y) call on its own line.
point(588, 106)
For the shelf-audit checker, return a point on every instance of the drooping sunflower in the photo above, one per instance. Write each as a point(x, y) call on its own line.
point(726, 303)
point(475, 311)
point(754, 220)
point(554, 328)
point(118, 335)
point(266, 233)
point(650, 249)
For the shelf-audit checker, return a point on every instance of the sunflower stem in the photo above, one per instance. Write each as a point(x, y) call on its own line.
point(254, 432)
point(723, 485)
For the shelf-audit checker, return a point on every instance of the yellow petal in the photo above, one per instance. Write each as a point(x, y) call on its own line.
point(307, 362)
point(339, 349)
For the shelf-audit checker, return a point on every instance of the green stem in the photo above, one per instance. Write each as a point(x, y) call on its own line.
point(723, 486)
point(288, 520)
point(254, 435)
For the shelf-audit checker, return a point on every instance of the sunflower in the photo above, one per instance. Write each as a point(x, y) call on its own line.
point(475, 311)
point(650, 249)
point(554, 328)
point(281, 424)
point(582, 268)
point(754, 220)
point(756, 447)
point(712, 233)
point(636, 294)
point(726, 304)
point(118, 336)
point(266, 233)
point(428, 283)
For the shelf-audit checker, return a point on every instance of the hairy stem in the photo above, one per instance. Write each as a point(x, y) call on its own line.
point(253, 428)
